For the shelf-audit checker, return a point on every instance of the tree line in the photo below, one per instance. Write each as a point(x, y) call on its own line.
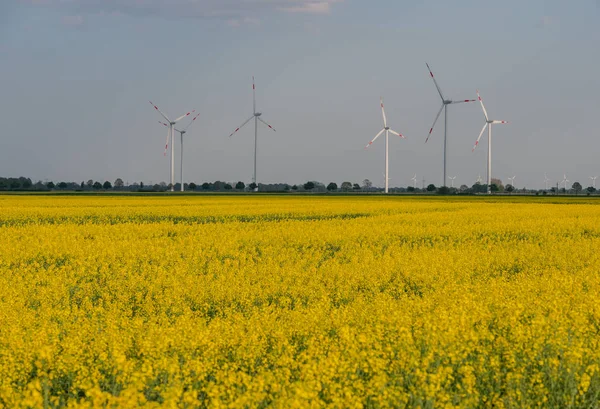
point(26, 184)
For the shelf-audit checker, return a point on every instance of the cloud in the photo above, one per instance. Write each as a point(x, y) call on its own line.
point(72, 20)
point(230, 10)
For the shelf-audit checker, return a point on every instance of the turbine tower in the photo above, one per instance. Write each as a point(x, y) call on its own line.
point(183, 131)
point(488, 122)
point(387, 131)
point(594, 181)
point(445, 103)
point(257, 118)
point(171, 125)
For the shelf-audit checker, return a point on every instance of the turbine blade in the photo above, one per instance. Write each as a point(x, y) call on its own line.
point(270, 127)
point(241, 126)
point(184, 115)
point(397, 134)
point(435, 82)
point(193, 119)
point(159, 111)
point(482, 106)
point(480, 133)
point(383, 113)
point(462, 101)
point(167, 142)
point(376, 136)
point(434, 122)
point(499, 122)
point(162, 123)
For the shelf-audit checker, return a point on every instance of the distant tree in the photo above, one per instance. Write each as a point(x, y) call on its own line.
point(494, 187)
point(367, 184)
point(62, 185)
point(82, 184)
point(50, 185)
point(205, 186)
point(97, 185)
point(509, 188)
point(591, 189)
point(253, 186)
point(286, 187)
point(15, 184)
point(295, 187)
point(443, 190)
point(463, 188)
point(157, 187)
point(119, 183)
point(332, 187)
point(141, 185)
point(107, 185)
point(346, 186)
point(577, 187)
point(356, 187)
point(228, 186)
point(240, 185)
point(309, 185)
point(410, 189)
point(499, 185)
point(27, 183)
point(90, 183)
point(431, 187)
point(177, 187)
point(192, 186)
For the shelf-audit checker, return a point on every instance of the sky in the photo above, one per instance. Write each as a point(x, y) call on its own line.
point(76, 77)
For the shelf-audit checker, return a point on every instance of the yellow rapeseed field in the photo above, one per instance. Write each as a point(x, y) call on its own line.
point(294, 302)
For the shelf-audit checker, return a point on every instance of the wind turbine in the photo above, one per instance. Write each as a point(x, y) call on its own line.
point(512, 181)
point(257, 117)
point(479, 180)
point(170, 125)
point(546, 180)
point(565, 181)
point(445, 103)
point(184, 130)
point(452, 179)
point(488, 122)
point(594, 181)
point(414, 179)
point(387, 131)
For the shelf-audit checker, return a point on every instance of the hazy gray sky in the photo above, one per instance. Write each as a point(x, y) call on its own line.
point(76, 77)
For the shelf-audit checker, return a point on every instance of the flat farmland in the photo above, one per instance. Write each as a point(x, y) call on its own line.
point(276, 301)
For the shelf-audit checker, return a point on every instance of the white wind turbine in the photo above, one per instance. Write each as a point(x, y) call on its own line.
point(387, 131)
point(452, 179)
point(546, 180)
point(479, 180)
point(512, 181)
point(594, 181)
point(488, 123)
point(565, 181)
point(445, 103)
point(183, 131)
point(414, 179)
point(257, 117)
point(171, 125)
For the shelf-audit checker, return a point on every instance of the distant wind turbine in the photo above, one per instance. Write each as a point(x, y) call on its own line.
point(414, 179)
point(512, 181)
point(488, 123)
point(546, 180)
point(479, 180)
point(593, 181)
point(445, 103)
point(170, 135)
point(565, 181)
point(387, 131)
point(452, 179)
point(257, 118)
point(183, 131)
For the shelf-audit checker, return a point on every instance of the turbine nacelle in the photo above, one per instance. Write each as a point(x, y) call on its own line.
point(257, 114)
